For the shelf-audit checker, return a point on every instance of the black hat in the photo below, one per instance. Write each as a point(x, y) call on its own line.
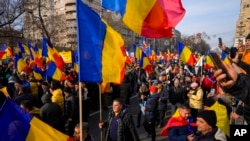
point(209, 102)
point(248, 36)
point(209, 116)
point(67, 89)
point(45, 83)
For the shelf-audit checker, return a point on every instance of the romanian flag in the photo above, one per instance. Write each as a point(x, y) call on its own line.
point(145, 63)
point(2, 53)
point(75, 61)
point(175, 121)
point(101, 49)
point(35, 57)
point(18, 125)
point(224, 57)
point(23, 48)
point(208, 64)
point(54, 73)
point(185, 54)
point(149, 18)
point(8, 50)
point(53, 54)
point(21, 65)
point(222, 118)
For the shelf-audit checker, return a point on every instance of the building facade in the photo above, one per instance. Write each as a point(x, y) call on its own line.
point(243, 22)
point(59, 17)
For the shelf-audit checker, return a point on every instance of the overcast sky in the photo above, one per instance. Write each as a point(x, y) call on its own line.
point(217, 18)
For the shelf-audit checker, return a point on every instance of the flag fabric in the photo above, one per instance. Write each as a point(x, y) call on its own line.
point(157, 20)
point(145, 63)
point(199, 65)
point(23, 48)
point(75, 61)
point(208, 63)
point(18, 125)
point(101, 48)
point(53, 72)
point(222, 119)
point(224, 57)
point(185, 54)
point(2, 53)
point(8, 50)
point(44, 47)
point(177, 120)
point(20, 65)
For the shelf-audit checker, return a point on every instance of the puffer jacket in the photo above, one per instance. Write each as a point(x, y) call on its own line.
point(196, 98)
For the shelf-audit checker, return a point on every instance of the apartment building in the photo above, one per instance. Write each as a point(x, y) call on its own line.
point(60, 20)
point(243, 22)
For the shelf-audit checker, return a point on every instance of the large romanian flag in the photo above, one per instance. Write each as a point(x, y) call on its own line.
point(101, 49)
point(149, 18)
point(18, 125)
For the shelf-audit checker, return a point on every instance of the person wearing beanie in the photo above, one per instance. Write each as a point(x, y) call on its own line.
point(206, 127)
point(151, 112)
point(176, 95)
point(221, 114)
point(195, 96)
point(71, 110)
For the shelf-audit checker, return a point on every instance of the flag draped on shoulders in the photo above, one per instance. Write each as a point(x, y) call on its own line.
point(18, 125)
point(157, 20)
point(101, 49)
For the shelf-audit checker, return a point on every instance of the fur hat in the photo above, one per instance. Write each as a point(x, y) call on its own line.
point(209, 116)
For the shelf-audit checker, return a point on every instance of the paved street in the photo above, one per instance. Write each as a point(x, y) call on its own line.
point(132, 108)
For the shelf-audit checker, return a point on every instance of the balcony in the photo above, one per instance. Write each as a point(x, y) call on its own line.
point(70, 17)
point(70, 8)
point(70, 2)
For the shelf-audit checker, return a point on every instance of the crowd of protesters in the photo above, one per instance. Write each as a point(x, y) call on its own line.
point(201, 105)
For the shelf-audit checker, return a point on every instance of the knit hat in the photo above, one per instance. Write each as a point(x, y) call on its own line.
point(209, 102)
point(153, 89)
point(194, 85)
point(67, 89)
point(209, 116)
point(248, 36)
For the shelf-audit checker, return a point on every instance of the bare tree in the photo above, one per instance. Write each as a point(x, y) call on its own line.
point(42, 17)
point(10, 20)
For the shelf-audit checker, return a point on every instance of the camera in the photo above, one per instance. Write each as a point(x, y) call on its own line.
point(233, 51)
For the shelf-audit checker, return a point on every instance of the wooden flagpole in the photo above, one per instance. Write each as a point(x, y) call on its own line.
point(80, 109)
point(100, 104)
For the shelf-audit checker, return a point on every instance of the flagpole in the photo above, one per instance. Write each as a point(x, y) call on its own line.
point(100, 104)
point(99, 85)
point(80, 109)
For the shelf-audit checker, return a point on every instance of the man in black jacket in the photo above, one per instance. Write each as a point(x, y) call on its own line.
point(120, 125)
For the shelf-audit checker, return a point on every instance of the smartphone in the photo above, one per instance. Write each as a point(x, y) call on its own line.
point(218, 64)
point(220, 41)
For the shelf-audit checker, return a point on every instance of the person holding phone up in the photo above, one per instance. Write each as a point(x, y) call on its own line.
point(238, 86)
point(239, 55)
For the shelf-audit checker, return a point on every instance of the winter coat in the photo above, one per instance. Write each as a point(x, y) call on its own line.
point(151, 106)
point(163, 96)
point(176, 95)
point(215, 135)
point(57, 97)
point(126, 129)
point(196, 98)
